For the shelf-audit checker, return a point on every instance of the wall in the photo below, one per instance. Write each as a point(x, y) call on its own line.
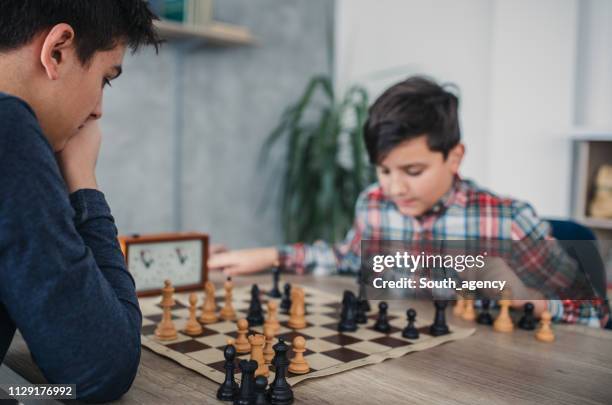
point(594, 68)
point(515, 62)
point(532, 101)
point(380, 43)
point(232, 98)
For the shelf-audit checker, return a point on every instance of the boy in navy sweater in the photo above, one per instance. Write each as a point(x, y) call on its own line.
point(63, 279)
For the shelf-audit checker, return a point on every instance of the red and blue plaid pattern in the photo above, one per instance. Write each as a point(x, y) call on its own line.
point(466, 212)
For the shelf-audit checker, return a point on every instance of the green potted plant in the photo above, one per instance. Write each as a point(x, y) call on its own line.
point(326, 164)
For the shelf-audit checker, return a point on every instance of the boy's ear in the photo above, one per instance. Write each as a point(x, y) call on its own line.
point(58, 44)
point(455, 157)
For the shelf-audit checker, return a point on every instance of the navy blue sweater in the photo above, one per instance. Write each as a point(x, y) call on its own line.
point(63, 279)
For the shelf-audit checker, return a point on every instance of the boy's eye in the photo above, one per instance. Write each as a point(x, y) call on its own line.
point(106, 82)
point(414, 172)
point(383, 170)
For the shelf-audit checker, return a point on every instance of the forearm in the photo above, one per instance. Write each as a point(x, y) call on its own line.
point(77, 179)
point(95, 224)
point(77, 161)
point(70, 294)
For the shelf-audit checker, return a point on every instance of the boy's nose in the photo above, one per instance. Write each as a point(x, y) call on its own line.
point(397, 186)
point(96, 114)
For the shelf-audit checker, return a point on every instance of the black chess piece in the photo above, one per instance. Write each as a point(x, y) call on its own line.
point(285, 304)
point(261, 383)
point(348, 316)
point(275, 292)
point(247, 383)
point(484, 317)
point(228, 391)
point(280, 392)
point(410, 331)
point(255, 314)
point(362, 298)
point(528, 321)
point(382, 322)
point(362, 316)
point(439, 326)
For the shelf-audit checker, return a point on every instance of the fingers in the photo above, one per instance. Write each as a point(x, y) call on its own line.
point(219, 261)
point(236, 271)
point(241, 269)
point(217, 248)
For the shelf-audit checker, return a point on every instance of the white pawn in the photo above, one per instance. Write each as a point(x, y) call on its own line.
point(272, 319)
point(298, 364)
point(227, 313)
point(193, 327)
point(268, 351)
point(242, 344)
point(545, 333)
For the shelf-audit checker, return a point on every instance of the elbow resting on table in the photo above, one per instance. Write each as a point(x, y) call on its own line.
point(112, 380)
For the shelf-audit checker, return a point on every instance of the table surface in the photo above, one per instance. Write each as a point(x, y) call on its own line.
point(487, 367)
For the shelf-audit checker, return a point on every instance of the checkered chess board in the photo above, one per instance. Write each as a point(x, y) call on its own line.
point(328, 351)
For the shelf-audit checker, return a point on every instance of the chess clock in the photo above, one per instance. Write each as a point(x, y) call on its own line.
point(179, 257)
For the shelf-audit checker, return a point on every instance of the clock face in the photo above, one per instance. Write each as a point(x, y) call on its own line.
point(178, 261)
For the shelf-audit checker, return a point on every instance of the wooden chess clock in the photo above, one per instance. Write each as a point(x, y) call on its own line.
point(179, 257)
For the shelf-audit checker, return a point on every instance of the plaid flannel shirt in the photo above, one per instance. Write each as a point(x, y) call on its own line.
point(465, 212)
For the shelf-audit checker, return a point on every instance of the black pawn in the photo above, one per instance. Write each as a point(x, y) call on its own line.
point(261, 383)
point(362, 317)
point(348, 316)
point(528, 321)
point(285, 304)
point(382, 322)
point(484, 317)
point(362, 297)
point(439, 326)
point(280, 392)
point(255, 314)
point(228, 391)
point(247, 383)
point(410, 331)
point(275, 292)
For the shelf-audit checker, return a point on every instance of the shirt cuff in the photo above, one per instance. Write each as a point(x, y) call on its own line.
point(87, 204)
point(292, 257)
point(555, 307)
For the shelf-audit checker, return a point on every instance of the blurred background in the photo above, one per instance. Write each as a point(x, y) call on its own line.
point(184, 129)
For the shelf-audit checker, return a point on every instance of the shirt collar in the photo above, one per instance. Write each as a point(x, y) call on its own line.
point(449, 198)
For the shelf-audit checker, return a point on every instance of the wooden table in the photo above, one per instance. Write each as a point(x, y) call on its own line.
point(486, 368)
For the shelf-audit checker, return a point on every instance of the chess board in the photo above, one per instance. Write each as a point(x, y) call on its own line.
point(328, 351)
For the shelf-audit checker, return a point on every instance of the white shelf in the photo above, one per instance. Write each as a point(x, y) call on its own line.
point(591, 134)
point(214, 33)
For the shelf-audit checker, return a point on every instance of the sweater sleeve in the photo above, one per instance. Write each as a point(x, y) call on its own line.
point(324, 258)
point(63, 278)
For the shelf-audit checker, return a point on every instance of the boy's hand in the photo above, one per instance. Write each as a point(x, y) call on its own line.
point(216, 248)
point(243, 261)
point(77, 161)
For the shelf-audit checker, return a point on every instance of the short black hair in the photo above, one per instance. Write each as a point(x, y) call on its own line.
point(99, 25)
point(414, 107)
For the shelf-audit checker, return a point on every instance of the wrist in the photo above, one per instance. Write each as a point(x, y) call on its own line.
point(272, 257)
point(539, 307)
point(76, 180)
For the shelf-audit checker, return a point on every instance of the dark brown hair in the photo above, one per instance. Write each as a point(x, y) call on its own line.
point(414, 107)
point(99, 25)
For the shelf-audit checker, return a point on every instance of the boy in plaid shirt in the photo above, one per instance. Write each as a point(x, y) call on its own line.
point(413, 137)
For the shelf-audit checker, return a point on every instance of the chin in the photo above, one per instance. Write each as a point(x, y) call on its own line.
point(59, 146)
point(410, 211)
